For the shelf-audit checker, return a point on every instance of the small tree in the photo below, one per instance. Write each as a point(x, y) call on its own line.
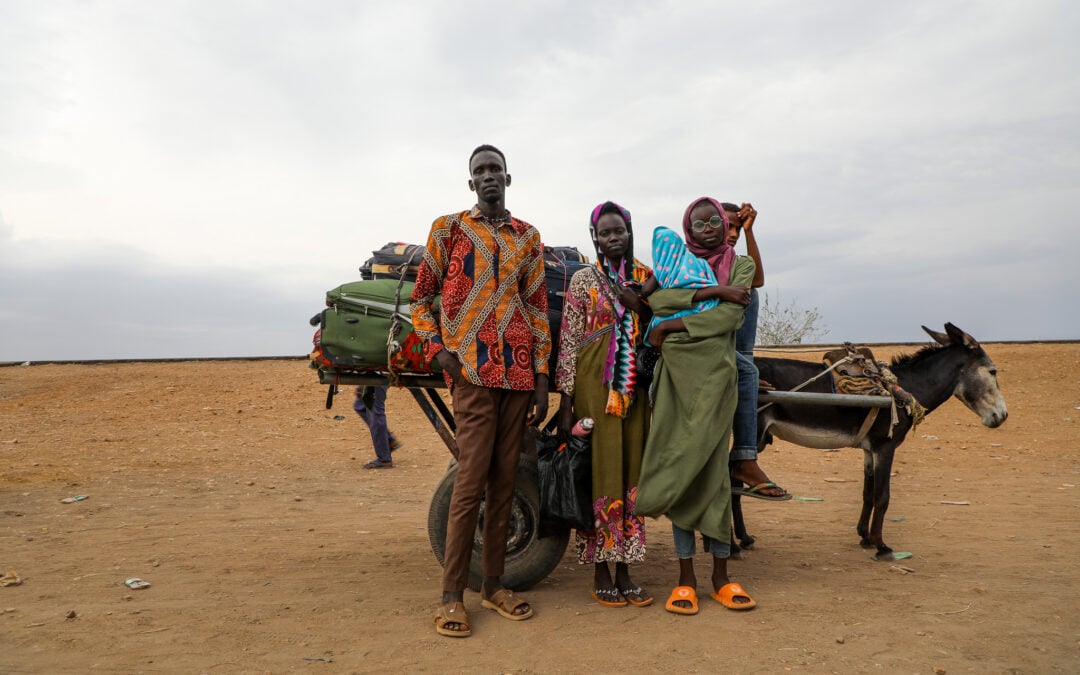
point(780, 324)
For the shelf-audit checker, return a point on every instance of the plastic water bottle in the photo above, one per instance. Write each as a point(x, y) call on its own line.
point(583, 427)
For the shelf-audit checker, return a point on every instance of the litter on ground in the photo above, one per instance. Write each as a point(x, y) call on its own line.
point(10, 578)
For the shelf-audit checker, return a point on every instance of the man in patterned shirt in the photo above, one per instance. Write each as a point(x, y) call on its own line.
point(491, 338)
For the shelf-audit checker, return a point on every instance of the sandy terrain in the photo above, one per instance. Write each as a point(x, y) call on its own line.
point(230, 488)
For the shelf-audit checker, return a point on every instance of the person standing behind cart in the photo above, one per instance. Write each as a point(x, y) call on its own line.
point(597, 375)
point(370, 405)
point(491, 337)
point(744, 452)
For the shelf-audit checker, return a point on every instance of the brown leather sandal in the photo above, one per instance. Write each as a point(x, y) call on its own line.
point(452, 613)
point(504, 602)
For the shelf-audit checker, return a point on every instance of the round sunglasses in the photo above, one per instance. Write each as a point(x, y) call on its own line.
point(716, 222)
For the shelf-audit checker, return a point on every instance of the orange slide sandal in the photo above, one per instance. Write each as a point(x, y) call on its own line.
point(684, 594)
point(727, 594)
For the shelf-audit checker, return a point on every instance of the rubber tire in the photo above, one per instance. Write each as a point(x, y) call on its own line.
point(528, 557)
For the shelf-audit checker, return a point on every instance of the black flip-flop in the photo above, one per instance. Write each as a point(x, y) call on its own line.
point(379, 464)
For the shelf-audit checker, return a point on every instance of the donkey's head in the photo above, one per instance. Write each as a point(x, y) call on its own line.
point(977, 387)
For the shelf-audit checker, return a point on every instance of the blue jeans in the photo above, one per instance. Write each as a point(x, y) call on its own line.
point(746, 337)
point(744, 424)
point(684, 544)
point(375, 418)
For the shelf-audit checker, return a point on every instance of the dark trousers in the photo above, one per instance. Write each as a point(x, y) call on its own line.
point(375, 418)
point(490, 428)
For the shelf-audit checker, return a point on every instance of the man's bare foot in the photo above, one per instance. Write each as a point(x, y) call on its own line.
point(751, 474)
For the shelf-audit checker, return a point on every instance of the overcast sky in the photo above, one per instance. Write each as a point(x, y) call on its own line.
point(188, 178)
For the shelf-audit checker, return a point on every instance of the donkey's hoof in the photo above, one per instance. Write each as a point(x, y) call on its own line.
point(886, 553)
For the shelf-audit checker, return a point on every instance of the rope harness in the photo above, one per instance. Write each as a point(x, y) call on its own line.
point(855, 371)
point(866, 376)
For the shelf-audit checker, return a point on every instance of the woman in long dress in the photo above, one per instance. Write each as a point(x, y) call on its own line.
point(597, 375)
point(684, 472)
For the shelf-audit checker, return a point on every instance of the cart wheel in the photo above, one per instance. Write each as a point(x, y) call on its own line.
point(529, 558)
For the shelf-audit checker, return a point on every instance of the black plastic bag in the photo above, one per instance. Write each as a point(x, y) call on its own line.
point(647, 358)
point(565, 482)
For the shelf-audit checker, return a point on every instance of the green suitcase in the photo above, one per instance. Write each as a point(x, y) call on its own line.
point(355, 329)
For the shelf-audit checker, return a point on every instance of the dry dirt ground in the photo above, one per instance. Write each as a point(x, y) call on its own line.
point(230, 488)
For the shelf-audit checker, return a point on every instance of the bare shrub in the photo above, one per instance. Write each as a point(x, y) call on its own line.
point(788, 324)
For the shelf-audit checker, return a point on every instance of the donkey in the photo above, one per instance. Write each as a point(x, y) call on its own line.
point(955, 366)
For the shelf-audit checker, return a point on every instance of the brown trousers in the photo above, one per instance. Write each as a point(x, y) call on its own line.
point(490, 428)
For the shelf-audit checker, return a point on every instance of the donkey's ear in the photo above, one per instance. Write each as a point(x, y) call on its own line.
point(940, 338)
point(960, 337)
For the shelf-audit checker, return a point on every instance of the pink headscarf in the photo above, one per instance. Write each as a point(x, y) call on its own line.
point(719, 258)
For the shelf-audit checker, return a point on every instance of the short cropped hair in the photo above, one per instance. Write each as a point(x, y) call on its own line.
point(487, 148)
point(728, 206)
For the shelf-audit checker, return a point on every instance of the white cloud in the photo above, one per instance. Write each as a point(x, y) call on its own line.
point(100, 301)
point(930, 147)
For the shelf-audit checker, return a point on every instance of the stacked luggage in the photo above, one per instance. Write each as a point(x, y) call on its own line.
point(392, 261)
point(367, 325)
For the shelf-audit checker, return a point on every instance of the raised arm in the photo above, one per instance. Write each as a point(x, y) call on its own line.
point(747, 215)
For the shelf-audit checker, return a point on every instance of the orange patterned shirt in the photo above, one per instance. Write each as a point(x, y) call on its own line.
point(493, 314)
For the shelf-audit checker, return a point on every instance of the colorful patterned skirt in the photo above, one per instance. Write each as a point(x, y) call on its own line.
point(617, 448)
